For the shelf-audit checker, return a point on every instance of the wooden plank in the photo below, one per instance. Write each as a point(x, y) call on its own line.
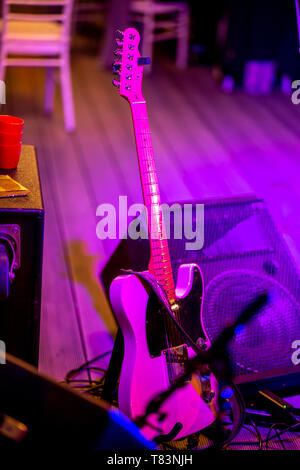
point(60, 342)
point(259, 147)
point(98, 147)
point(116, 130)
point(206, 144)
point(82, 248)
point(212, 172)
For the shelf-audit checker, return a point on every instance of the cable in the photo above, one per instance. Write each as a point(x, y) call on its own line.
point(287, 429)
point(260, 441)
point(277, 435)
point(87, 385)
point(280, 440)
point(84, 366)
point(274, 426)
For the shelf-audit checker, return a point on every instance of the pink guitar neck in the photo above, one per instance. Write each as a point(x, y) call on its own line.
point(160, 263)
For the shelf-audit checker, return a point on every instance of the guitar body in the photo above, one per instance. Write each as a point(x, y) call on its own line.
point(145, 371)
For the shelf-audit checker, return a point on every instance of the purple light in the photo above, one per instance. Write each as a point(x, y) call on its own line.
point(226, 393)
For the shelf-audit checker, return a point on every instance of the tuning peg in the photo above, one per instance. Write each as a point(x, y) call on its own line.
point(121, 33)
point(119, 42)
point(117, 64)
point(118, 52)
point(116, 69)
point(116, 83)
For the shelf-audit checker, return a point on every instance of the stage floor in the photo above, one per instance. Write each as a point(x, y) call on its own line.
point(207, 144)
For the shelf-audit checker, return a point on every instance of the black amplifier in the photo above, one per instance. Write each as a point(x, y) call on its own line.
point(21, 243)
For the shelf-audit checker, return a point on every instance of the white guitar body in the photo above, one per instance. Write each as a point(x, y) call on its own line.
point(142, 376)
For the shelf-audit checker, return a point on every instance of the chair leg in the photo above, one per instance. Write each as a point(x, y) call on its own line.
point(67, 96)
point(148, 40)
point(2, 64)
point(49, 90)
point(183, 40)
point(2, 76)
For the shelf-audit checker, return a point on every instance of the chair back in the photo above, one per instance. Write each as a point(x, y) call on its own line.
point(59, 11)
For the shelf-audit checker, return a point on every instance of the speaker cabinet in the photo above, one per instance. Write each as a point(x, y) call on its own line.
point(37, 412)
point(243, 255)
point(22, 223)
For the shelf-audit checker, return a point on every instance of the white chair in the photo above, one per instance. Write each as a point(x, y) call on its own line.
point(40, 38)
point(163, 21)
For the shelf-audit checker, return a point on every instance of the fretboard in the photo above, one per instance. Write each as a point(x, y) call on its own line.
point(160, 263)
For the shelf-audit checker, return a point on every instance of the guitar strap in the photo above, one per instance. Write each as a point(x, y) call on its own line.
point(236, 401)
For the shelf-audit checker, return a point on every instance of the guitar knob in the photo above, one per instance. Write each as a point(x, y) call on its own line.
point(201, 342)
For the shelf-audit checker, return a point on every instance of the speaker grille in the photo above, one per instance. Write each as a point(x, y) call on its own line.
point(266, 342)
point(243, 255)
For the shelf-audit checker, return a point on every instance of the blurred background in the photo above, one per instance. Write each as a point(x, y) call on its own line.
point(223, 124)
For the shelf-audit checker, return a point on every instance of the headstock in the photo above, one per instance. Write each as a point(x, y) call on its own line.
point(128, 65)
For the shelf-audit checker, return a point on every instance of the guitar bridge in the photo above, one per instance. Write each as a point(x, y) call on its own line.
point(176, 358)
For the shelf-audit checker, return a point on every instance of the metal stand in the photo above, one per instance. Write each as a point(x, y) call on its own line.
point(114, 369)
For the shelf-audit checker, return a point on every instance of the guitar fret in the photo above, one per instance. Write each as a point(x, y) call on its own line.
point(147, 169)
point(164, 283)
point(151, 183)
point(159, 232)
point(165, 253)
point(164, 261)
point(160, 256)
point(161, 262)
point(162, 272)
point(161, 236)
point(151, 179)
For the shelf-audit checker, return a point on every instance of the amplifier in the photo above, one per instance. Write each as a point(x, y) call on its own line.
point(21, 236)
point(243, 255)
point(37, 412)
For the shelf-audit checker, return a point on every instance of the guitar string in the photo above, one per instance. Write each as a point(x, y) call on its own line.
point(150, 162)
point(148, 150)
point(145, 148)
point(160, 222)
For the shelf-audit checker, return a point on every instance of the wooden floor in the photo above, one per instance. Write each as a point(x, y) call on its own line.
point(207, 144)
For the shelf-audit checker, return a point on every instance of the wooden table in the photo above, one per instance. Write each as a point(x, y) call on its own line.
point(20, 312)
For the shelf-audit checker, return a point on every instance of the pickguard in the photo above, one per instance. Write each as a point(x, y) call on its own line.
point(158, 321)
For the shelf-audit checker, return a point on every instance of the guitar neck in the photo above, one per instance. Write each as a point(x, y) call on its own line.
point(160, 263)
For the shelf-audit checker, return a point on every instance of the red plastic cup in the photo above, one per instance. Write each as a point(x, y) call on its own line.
point(9, 138)
point(10, 156)
point(11, 124)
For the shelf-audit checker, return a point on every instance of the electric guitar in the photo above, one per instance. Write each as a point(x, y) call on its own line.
point(154, 349)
